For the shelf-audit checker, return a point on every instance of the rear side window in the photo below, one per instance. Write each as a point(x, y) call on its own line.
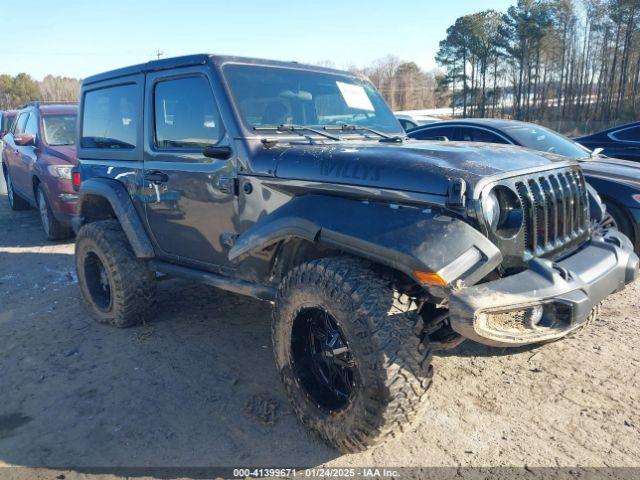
point(110, 118)
point(439, 133)
point(628, 134)
point(185, 114)
point(479, 135)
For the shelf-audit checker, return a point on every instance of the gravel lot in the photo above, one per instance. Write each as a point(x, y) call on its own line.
point(198, 386)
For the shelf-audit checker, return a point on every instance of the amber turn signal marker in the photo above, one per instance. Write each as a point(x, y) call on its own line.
point(430, 278)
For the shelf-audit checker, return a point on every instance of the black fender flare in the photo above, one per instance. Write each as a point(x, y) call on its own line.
point(122, 205)
point(405, 238)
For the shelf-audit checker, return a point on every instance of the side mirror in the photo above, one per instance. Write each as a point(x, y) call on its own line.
point(25, 140)
point(222, 153)
point(597, 151)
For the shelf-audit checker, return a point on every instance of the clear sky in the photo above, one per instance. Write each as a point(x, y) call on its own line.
point(79, 38)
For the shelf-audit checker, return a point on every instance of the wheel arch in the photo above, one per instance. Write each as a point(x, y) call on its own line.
point(635, 228)
point(103, 199)
point(35, 183)
point(399, 239)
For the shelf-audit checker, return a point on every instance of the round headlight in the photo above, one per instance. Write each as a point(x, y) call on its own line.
point(491, 209)
point(503, 212)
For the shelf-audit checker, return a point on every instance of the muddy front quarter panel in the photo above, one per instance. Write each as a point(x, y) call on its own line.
point(549, 299)
point(405, 238)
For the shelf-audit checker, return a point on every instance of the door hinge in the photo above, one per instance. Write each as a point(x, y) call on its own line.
point(228, 185)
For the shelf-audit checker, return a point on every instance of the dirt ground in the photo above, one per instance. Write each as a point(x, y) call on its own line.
point(198, 386)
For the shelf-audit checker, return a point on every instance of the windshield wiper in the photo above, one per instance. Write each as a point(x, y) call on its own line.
point(295, 128)
point(350, 128)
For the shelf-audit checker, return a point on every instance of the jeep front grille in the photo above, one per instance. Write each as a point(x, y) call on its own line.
point(556, 210)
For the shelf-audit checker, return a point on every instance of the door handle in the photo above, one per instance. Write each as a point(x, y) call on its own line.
point(156, 177)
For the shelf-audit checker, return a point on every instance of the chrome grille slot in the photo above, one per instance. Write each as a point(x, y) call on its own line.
point(529, 226)
point(551, 208)
point(540, 211)
point(556, 212)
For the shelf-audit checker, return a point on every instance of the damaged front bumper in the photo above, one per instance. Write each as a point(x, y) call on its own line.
point(548, 300)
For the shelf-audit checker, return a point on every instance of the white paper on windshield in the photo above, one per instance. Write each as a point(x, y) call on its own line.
point(355, 96)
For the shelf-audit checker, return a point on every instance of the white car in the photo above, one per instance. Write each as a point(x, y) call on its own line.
point(410, 120)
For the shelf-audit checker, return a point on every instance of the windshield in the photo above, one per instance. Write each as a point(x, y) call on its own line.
point(272, 96)
point(544, 140)
point(59, 129)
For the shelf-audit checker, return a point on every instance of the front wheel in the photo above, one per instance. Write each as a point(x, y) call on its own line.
point(348, 354)
point(117, 288)
point(619, 220)
point(53, 229)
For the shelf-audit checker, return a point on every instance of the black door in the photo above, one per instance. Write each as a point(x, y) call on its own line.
point(189, 198)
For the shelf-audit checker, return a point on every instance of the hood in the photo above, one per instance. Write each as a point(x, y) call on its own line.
point(66, 153)
point(623, 171)
point(416, 166)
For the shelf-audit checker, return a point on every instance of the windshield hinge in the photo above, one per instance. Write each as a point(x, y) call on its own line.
point(457, 189)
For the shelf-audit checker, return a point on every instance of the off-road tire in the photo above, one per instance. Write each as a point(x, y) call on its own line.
point(53, 229)
point(132, 283)
point(391, 360)
point(16, 202)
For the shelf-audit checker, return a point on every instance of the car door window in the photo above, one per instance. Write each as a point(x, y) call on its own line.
point(31, 127)
point(436, 133)
point(406, 124)
point(5, 125)
point(19, 125)
point(186, 115)
point(110, 118)
point(468, 134)
point(628, 134)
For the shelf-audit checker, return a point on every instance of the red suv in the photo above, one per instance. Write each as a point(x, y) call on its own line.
point(37, 159)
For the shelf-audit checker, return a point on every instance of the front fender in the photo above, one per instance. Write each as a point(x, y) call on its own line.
point(407, 239)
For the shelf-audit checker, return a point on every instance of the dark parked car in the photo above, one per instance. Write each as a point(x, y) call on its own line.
point(617, 181)
point(622, 141)
point(37, 159)
point(295, 184)
point(6, 120)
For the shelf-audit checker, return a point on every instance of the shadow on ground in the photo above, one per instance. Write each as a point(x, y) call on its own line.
point(196, 387)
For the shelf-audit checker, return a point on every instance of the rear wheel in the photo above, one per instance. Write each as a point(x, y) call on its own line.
point(117, 287)
point(53, 229)
point(16, 202)
point(349, 353)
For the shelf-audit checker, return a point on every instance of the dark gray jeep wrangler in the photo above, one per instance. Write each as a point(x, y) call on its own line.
point(295, 184)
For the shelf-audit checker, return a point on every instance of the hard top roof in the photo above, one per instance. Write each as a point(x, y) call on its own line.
point(200, 59)
point(52, 107)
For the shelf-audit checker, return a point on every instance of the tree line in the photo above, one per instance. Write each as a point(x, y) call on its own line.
point(404, 85)
point(572, 64)
point(17, 90)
